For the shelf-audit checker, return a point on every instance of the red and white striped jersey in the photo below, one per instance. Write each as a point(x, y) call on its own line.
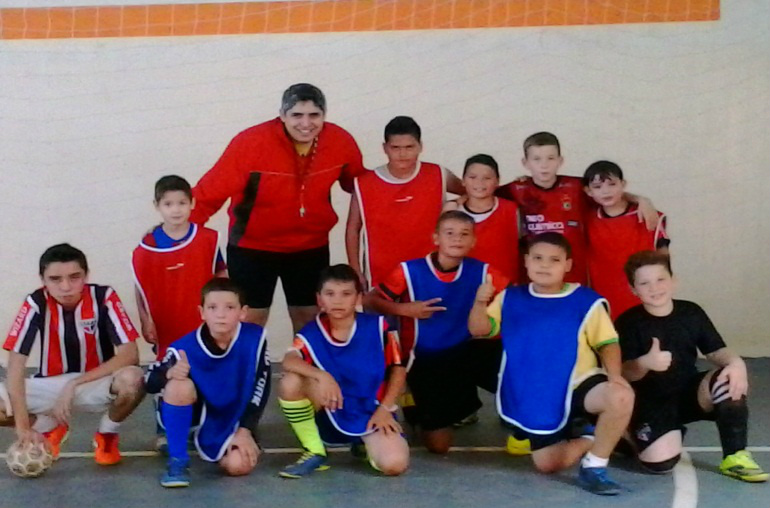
point(75, 340)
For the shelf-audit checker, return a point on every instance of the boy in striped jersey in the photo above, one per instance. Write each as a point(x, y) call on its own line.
point(88, 357)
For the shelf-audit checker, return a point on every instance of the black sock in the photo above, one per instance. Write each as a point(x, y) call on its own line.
point(732, 417)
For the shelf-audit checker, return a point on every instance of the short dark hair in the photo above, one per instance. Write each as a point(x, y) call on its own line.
point(603, 170)
point(645, 258)
point(170, 183)
point(482, 158)
point(551, 238)
point(339, 273)
point(541, 139)
point(302, 92)
point(221, 284)
point(404, 125)
point(62, 253)
point(455, 215)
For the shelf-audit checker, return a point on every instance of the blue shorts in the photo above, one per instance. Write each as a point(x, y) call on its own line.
point(329, 433)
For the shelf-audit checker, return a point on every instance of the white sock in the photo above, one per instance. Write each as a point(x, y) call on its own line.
point(591, 460)
point(107, 426)
point(44, 423)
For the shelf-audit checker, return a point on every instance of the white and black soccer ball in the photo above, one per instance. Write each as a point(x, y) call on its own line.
point(29, 461)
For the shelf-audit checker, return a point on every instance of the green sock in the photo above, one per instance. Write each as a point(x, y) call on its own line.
point(301, 416)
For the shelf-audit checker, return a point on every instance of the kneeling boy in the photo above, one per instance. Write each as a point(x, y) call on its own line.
point(660, 340)
point(217, 377)
point(88, 357)
point(549, 377)
point(341, 381)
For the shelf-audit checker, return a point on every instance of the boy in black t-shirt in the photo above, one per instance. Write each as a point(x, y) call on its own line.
point(660, 340)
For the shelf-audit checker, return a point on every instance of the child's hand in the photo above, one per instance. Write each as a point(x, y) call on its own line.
point(149, 332)
point(181, 369)
point(656, 359)
point(383, 420)
point(422, 309)
point(735, 374)
point(647, 213)
point(329, 391)
point(486, 291)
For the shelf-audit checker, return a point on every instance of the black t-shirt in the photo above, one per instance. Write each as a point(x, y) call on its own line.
point(684, 332)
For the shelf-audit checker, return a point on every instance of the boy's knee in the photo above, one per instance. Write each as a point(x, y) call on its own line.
point(392, 464)
point(234, 464)
point(546, 464)
point(662, 467)
point(180, 392)
point(128, 382)
point(620, 398)
point(290, 387)
point(438, 441)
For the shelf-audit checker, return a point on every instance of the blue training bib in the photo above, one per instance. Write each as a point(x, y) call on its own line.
point(448, 328)
point(224, 383)
point(540, 335)
point(357, 365)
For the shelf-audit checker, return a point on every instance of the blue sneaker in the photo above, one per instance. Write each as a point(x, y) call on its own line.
point(177, 474)
point(305, 465)
point(596, 481)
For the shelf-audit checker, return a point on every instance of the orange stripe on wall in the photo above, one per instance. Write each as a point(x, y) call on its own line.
point(337, 16)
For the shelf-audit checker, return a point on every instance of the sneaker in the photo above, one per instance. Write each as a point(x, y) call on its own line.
point(517, 447)
point(177, 474)
point(596, 481)
point(56, 438)
point(306, 464)
point(471, 419)
point(161, 444)
point(741, 465)
point(106, 451)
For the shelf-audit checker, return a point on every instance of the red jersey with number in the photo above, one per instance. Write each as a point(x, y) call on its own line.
point(560, 209)
point(611, 240)
point(497, 237)
point(170, 282)
point(399, 216)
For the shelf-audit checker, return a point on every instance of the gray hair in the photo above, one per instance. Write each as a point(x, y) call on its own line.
point(302, 92)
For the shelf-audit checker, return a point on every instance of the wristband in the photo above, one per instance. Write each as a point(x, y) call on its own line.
point(391, 409)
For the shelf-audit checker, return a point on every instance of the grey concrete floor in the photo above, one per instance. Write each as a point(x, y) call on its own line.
point(473, 479)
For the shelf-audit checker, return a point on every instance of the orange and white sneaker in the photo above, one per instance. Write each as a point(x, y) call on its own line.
point(106, 451)
point(56, 438)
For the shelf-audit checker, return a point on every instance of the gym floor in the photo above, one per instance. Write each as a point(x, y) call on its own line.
point(477, 474)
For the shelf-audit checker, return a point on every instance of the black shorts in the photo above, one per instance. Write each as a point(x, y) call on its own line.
point(578, 417)
point(444, 385)
point(257, 271)
point(655, 416)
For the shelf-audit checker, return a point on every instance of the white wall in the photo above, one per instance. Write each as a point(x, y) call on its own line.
point(89, 125)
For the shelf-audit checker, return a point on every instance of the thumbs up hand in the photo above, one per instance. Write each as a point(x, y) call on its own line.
point(657, 359)
point(181, 369)
point(486, 291)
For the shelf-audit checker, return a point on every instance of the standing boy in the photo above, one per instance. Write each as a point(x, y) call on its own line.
point(434, 295)
point(660, 340)
point(341, 381)
point(553, 336)
point(88, 357)
point(550, 202)
point(396, 205)
point(171, 265)
point(614, 233)
point(216, 378)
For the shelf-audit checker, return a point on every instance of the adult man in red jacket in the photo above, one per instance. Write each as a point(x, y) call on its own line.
point(278, 176)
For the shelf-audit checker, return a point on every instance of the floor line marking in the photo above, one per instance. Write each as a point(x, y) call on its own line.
point(685, 483)
point(458, 449)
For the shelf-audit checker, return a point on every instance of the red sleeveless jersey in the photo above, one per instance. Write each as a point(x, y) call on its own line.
point(561, 209)
point(399, 217)
point(611, 240)
point(170, 281)
point(497, 238)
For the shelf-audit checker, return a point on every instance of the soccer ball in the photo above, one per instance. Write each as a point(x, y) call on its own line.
point(28, 461)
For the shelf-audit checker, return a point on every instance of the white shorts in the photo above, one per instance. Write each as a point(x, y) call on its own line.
point(42, 393)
